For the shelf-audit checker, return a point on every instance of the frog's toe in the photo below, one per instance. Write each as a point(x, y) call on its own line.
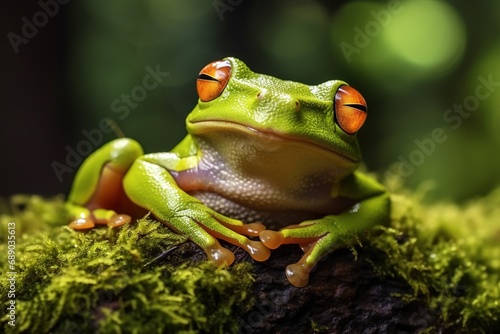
point(235, 232)
point(218, 255)
point(223, 257)
point(110, 218)
point(82, 224)
point(271, 239)
point(119, 220)
point(257, 250)
point(316, 239)
point(298, 274)
point(302, 235)
point(251, 229)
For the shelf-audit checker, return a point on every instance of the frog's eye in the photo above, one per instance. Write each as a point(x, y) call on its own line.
point(213, 79)
point(350, 109)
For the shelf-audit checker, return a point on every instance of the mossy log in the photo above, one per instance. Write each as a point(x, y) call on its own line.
point(435, 269)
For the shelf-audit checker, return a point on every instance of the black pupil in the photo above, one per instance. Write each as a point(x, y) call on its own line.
point(356, 106)
point(204, 76)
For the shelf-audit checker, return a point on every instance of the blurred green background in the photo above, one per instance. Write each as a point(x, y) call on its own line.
point(429, 70)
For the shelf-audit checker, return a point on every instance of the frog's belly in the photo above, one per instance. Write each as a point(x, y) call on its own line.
point(253, 200)
point(275, 184)
point(273, 219)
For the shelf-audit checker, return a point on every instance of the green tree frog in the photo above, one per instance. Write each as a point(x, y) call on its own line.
point(266, 162)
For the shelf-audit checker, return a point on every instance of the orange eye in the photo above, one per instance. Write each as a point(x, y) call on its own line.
point(350, 109)
point(213, 79)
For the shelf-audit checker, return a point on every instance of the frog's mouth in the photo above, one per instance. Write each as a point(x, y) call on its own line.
point(268, 140)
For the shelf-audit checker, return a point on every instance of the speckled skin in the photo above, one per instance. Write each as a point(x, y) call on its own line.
point(261, 149)
point(236, 186)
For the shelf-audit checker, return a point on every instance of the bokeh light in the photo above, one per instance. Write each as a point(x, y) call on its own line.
point(398, 42)
point(428, 34)
point(412, 61)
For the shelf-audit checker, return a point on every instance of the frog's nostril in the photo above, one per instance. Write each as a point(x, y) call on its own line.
point(297, 106)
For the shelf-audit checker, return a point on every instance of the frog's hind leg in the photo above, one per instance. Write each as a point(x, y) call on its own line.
point(97, 190)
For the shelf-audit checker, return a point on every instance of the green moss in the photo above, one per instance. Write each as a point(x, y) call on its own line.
point(448, 254)
point(71, 281)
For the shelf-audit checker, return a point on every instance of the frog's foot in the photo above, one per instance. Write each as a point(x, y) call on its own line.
point(316, 238)
point(204, 226)
point(85, 219)
point(110, 218)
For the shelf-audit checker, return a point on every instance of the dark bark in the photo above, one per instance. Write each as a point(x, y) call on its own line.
point(344, 295)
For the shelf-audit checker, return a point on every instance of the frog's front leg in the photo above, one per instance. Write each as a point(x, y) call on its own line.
point(321, 236)
point(150, 185)
point(97, 188)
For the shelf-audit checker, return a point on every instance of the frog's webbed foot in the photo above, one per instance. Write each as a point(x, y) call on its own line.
point(205, 226)
point(86, 219)
point(316, 238)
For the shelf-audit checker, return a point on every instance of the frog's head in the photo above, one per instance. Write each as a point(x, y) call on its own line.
point(235, 99)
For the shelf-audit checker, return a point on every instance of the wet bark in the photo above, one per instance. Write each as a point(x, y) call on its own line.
point(344, 295)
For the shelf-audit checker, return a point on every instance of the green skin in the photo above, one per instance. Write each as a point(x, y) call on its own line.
point(266, 152)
